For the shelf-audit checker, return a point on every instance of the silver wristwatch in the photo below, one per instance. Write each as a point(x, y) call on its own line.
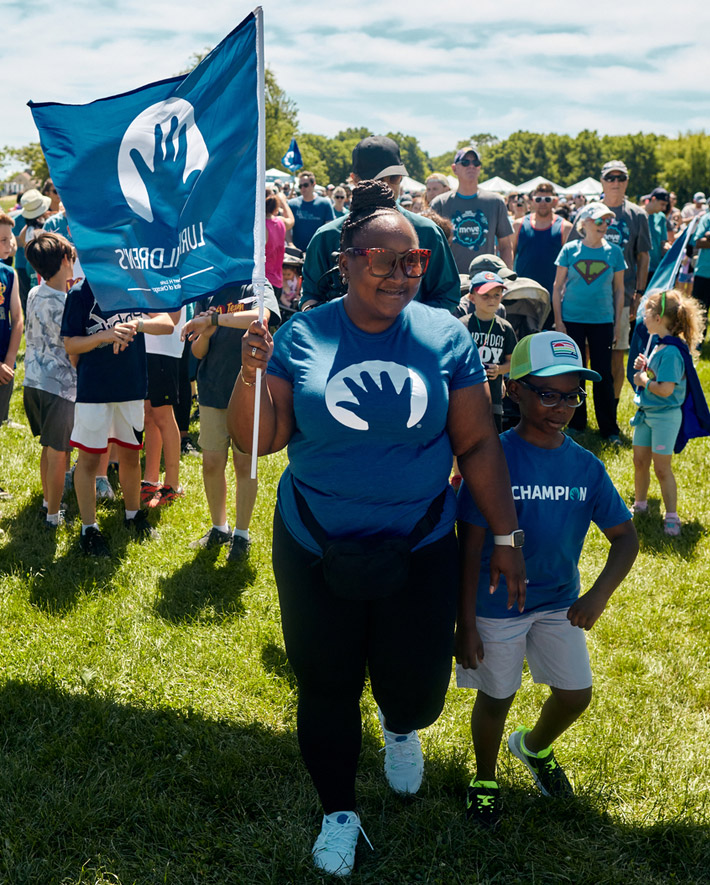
point(514, 539)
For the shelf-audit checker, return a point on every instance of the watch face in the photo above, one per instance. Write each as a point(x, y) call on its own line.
point(518, 538)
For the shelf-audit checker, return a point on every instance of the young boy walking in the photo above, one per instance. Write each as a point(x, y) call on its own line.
point(559, 489)
point(50, 378)
point(111, 387)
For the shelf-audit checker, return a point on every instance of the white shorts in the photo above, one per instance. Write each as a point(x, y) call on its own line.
point(555, 650)
point(97, 425)
point(622, 342)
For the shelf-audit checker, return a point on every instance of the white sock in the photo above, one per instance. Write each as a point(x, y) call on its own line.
point(131, 514)
point(92, 525)
point(241, 533)
point(45, 504)
point(221, 528)
point(671, 515)
point(53, 518)
point(102, 477)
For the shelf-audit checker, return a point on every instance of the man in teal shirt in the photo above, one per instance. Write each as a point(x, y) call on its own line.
point(701, 241)
point(656, 205)
point(377, 157)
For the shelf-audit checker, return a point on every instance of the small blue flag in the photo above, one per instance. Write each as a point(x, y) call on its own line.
point(291, 160)
point(160, 183)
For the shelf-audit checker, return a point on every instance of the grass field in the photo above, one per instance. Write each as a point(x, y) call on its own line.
point(147, 713)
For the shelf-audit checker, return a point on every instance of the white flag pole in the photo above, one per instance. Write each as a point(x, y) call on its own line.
point(259, 278)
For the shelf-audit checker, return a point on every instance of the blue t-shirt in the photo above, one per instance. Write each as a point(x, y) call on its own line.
point(309, 216)
point(589, 291)
point(557, 494)
point(102, 375)
point(7, 281)
point(58, 224)
point(370, 450)
point(658, 229)
point(665, 364)
point(702, 264)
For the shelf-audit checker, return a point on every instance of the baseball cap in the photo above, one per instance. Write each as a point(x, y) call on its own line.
point(485, 281)
point(377, 157)
point(460, 154)
point(594, 211)
point(614, 166)
point(660, 193)
point(547, 354)
point(493, 263)
point(699, 197)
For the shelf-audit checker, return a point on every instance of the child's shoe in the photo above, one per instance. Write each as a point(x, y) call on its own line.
point(547, 774)
point(671, 525)
point(404, 763)
point(149, 491)
point(639, 507)
point(334, 849)
point(104, 489)
point(483, 803)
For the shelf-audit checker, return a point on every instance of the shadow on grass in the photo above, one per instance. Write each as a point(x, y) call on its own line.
point(649, 527)
point(55, 582)
point(275, 661)
point(130, 794)
point(202, 590)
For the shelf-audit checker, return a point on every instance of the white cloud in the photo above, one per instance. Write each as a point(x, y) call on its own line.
point(439, 73)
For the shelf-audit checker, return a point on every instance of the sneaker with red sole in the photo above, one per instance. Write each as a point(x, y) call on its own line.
point(165, 495)
point(149, 490)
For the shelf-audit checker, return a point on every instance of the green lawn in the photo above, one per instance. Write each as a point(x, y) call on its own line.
point(148, 715)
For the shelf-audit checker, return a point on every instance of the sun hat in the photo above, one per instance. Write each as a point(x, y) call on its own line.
point(485, 281)
point(547, 354)
point(34, 204)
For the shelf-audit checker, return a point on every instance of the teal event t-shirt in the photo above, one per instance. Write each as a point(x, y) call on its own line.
point(589, 290)
point(370, 449)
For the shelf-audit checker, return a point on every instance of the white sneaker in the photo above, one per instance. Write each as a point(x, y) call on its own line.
point(104, 489)
point(334, 849)
point(404, 763)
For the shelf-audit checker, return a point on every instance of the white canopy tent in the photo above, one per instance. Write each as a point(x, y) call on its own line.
point(497, 185)
point(274, 173)
point(590, 187)
point(410, 185)
point(528, 186)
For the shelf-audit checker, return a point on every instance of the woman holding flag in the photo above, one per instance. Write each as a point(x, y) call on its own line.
point(372, 393)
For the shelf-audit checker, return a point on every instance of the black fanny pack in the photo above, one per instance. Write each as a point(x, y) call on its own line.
point(367, 568)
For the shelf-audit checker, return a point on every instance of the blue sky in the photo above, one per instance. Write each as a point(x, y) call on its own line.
point(438, 70)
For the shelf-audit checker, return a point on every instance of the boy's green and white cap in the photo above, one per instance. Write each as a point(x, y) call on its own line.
point(547, 354)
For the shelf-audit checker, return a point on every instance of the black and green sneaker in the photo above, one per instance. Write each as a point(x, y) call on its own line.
point(483, 803)
point(546, 772)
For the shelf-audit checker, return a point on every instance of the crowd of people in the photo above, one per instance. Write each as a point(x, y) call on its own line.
point(397, 362)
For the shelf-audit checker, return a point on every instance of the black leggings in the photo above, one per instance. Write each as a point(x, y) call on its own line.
point(600, 337)
point(405, 640)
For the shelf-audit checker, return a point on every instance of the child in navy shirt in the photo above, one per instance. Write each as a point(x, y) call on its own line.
point(559, 488)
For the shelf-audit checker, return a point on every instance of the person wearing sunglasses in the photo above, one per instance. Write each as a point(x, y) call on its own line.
point(539, 236)
point(479, 219)
point(373, 394)
point(377, 157)
point(588, 299)
point(630, 232)
point(309, 211)
point(339, 198)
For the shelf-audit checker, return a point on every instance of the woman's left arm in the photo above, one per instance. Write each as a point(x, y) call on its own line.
point(480, 457)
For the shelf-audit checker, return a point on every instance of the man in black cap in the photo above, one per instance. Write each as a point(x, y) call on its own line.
point(656, 205)
point(377, 157)
point(479, 219)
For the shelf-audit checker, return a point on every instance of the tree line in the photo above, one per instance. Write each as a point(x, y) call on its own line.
point(680, 164)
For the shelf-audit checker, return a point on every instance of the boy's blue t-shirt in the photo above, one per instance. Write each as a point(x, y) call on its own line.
point(557, 494)
point(589, 290)
point(102, 375)
point(702, 263)
point(370, 449)
point(665, 364)
point(7, 282)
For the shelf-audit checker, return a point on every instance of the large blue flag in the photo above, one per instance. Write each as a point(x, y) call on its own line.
point(161, 184)
point(292, 158)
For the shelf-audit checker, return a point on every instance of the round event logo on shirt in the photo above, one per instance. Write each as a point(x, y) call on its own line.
point(367, 395)
point(618, 233)
point(470, 228)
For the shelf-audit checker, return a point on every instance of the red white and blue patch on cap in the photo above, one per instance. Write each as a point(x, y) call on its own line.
point(564, 349)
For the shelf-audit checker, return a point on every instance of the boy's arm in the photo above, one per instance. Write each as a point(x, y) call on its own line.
point(7, 366)
point(156, 323)
point(119, 335)
point(209, 320)
point(469, 648)
point(622, 553)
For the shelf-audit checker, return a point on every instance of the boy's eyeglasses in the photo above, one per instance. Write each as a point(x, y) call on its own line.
point(467, 162)
point(616, 177)
point(552, 398)
point(543, 199)
point(383, 262)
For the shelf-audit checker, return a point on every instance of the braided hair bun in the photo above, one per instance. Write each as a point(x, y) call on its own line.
point(370, 199)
